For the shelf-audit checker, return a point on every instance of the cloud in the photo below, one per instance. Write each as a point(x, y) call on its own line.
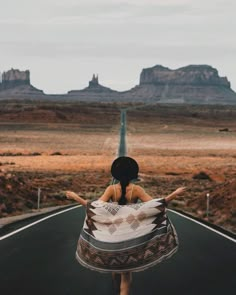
point(57, 50)
point(104, 33)
point(116, 12)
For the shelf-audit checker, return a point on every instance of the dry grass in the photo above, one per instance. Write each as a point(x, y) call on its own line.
point(81, 148)
point(169, 151)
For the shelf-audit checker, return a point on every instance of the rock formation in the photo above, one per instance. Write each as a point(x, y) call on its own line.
point(94, 82)
point(94, 92)
point(190, 84)
point(15, 82)
point(197, 75)
point(14, 78)
point(94, 86)
point(193, 84)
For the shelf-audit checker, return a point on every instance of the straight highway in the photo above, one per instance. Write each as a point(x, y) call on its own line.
point(40, 258)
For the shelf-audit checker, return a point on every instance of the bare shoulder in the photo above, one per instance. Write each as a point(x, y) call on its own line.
point(141, 194)
point(109, 190)
point(138, 188)
point(110, 186)
point(107, 194)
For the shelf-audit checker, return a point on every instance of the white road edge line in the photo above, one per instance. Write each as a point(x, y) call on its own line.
point(204, 225)
point(50, 216)
point(36, 222)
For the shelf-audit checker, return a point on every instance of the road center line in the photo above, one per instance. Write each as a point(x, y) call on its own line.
point(204, 225)
point(36, 222)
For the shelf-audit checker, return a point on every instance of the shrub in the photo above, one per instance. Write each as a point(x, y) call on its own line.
point(202, 176)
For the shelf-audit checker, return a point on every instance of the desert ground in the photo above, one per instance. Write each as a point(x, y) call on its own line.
point(61, 146)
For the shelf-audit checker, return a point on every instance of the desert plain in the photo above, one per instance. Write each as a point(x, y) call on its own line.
point(70, 146)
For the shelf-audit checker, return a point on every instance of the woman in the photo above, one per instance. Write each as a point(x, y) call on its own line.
point(120, 236)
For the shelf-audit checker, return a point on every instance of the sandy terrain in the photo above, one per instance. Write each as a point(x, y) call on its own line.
point(171, 146)
point(198, 156)
point(62, 149)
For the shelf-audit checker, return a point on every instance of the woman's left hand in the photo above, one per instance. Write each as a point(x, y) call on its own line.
point(71, 195)
point(180, 190)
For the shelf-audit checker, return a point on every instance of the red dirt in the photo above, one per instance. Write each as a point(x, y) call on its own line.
point(170, 144)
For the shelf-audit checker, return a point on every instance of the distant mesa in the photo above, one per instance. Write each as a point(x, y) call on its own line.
point(14, 78)
point(94, 82)
point(193, 84)
point(94, 87)
point(195, 75)
point(17, 82)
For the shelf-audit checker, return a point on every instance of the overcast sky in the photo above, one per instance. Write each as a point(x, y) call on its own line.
point(63, 42)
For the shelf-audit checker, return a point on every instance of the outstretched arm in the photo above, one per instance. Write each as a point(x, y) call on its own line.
point(144, 197)
point(74, 196)
point(173, 195)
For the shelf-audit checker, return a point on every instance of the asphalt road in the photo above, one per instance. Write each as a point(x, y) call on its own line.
point(41, 260)
point(122, 151)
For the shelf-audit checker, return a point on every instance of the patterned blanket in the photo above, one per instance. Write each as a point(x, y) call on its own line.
point(131, 237)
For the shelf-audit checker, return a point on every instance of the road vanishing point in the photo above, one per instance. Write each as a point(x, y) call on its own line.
point(37, 257)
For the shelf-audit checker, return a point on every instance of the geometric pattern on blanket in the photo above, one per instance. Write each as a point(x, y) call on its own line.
point(132, 237)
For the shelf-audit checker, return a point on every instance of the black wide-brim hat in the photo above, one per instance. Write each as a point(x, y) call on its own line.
point(124, 168)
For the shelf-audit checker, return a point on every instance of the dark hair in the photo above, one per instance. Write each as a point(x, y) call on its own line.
point(124, 169)
point(124, 183)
